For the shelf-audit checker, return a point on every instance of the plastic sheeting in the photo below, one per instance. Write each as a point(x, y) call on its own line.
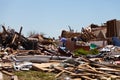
point(116, 41)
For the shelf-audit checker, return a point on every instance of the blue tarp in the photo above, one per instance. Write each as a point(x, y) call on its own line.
point(116, 41)
point(63, 39)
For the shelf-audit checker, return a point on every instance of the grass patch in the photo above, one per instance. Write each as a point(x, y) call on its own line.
point(6, 77)
point(34, 75)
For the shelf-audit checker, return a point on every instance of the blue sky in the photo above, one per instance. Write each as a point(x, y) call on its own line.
point(52, 16)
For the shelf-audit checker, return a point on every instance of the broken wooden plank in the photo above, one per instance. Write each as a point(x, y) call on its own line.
point(77, 79)
point(91, 67)
point(108, 69)
point(59, 73)
point(7, 73)
point(44, 69)
point(14, 38)
point(1, 76)
point(60, 69)
point(19, 34)
point(4, 29)
point(95, 71)
point(86, 77)
point(45, 66)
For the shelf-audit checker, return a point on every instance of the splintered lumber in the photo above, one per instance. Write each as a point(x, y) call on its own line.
point(4, 29)
point(20, 33)
point(20, 30)
point(95, 72)
point(98, 72)
point(45, 69)
point(84, 59)
point(86, 32)
point(62, 69)
point(13, 77)
point(86, 77)
point(77, 79)
point(1, 76)
point(87, 74)
point(108, 69)
point(44, 66)
point(91, 70)
point(71, 73)
point(59, 73)
point(14, 38)
point(96, 64)
point(7, 64)
point(112, 66)
point(7, 73)
point(96, 75)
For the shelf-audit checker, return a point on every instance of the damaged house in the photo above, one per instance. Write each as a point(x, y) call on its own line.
point(44, 54)
point(95, 34)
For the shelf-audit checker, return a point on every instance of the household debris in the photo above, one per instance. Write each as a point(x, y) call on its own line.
point(22, 66)
point(97, 49)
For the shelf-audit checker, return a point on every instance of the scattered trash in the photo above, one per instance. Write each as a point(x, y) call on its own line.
point(22, 66)
point(93, 53)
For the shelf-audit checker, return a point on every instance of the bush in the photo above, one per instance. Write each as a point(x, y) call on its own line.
point(94, 51)
point(81, 51)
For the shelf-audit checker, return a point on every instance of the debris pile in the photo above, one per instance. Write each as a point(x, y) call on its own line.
point(97, 49)
point(81, 68)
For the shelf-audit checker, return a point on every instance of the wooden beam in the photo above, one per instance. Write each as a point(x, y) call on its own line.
point(1, 76)
point(7, 73)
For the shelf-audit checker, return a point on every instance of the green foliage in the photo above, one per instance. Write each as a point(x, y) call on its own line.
point(94, 51)
point(81, 51)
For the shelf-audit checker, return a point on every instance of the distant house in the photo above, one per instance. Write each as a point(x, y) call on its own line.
point(99, 31)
